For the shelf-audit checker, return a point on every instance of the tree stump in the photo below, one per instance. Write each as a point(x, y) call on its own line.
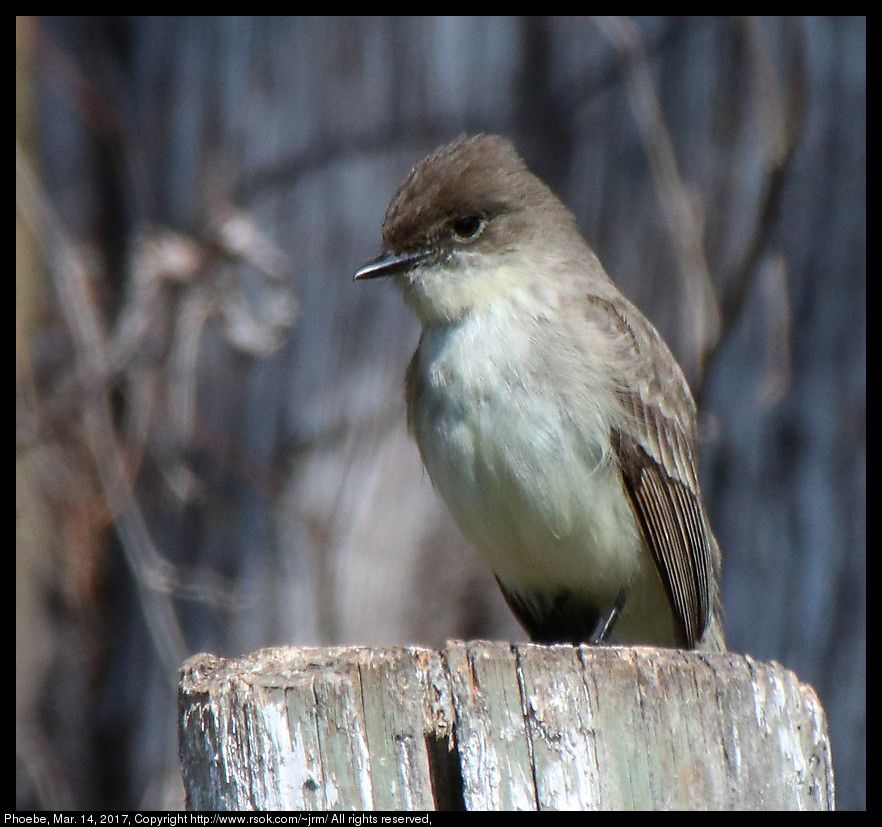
point(490, 726)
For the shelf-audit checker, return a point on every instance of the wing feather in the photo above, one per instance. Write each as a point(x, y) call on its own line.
point(656, 455)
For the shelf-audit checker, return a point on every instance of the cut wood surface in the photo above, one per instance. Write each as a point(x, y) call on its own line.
point(489, 726)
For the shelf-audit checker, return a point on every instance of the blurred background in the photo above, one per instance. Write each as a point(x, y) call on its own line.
point(211, 451)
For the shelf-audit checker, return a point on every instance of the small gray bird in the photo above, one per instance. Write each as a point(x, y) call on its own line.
point(549, 413)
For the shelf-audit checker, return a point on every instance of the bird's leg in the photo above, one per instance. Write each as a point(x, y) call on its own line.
point(611, 619)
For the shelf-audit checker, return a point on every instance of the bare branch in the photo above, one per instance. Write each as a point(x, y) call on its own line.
point(701, 315)
point(776, 379)
point(154, 575)
point(784, 122)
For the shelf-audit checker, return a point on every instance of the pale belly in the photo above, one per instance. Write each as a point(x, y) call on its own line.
point(542, 502)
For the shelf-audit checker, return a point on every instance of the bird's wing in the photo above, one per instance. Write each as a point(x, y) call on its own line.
point(655, 453)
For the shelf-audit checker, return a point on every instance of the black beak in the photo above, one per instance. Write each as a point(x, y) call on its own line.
point(388, 264)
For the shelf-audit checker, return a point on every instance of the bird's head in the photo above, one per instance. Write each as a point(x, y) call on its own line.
point(468, 226)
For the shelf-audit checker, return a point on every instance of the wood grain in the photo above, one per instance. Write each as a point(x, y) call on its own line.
point(491, 726)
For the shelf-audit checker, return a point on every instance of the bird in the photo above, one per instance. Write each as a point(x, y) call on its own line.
point(549, 413)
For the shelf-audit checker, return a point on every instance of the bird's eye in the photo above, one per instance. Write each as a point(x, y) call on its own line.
point(468, 226)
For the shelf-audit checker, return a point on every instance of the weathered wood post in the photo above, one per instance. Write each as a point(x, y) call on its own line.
point(484, 725)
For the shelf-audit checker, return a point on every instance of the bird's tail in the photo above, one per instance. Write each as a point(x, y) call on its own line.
point(714, 637)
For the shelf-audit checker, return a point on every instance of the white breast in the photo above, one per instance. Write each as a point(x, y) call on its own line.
point(529, 481)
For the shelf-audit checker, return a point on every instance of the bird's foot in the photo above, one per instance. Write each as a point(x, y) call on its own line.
point(601, 637)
